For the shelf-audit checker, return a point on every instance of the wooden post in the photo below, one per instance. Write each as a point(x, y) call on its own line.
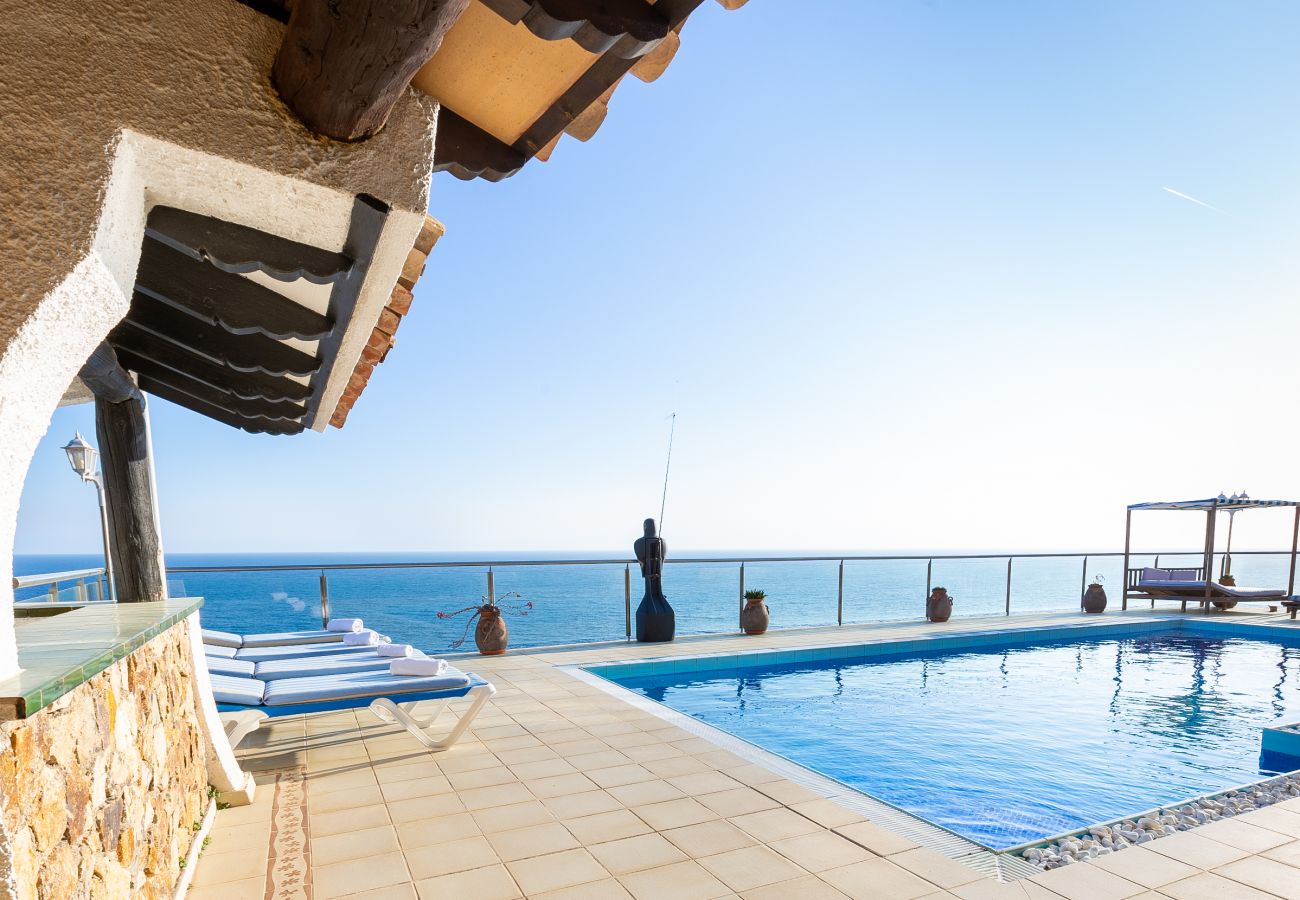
point(1295, 537)
point(324, 601)
point(125, 461)
point(1083, 582)
point(1128, 535)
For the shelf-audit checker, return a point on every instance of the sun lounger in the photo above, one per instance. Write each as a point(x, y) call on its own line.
point(251, 700)
point(299, 666)
point(1194, 592)
point(214, 638)
point(293, 651)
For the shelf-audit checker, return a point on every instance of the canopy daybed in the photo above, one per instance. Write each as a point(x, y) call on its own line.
point(1197, 585)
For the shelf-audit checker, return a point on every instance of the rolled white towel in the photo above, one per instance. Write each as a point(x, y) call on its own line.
point(426, 666)
point(366, 637)
point(344, 625)
point(395, 650)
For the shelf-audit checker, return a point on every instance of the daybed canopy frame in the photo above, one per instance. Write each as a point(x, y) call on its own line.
point(1212, 507)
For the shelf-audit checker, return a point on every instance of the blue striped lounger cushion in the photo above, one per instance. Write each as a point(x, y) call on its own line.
point(220, 665)
point(324, 688)
point(236, 690)
point(282, 638)
point(320, 664)
point(215, 638)
point(297, 651)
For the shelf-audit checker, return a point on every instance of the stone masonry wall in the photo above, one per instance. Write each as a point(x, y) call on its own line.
point(101, 791)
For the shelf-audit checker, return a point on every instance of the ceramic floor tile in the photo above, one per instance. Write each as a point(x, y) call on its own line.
point(750, 867)
point(680, 881)
point(1141, 866)
point(539, 874)
point(534, 840)
point(633, 854)
point(820, 850)
point(1267, 875)
point(1208, 886)
point(486, 883)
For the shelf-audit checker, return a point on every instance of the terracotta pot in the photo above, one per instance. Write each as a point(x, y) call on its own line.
point(938, 606)
point(491, 634)
point(754, 618)
point(1226, 581)
point(1094, 599)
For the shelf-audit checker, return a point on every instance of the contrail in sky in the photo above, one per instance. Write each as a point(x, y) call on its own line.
point(1193, 199)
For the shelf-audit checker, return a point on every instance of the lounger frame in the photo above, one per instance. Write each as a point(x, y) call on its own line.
point(242, 721)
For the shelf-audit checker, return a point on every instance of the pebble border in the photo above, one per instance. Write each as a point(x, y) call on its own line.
point(1102, 840)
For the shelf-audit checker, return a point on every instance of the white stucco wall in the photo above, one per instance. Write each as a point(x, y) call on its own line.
point(111, 108)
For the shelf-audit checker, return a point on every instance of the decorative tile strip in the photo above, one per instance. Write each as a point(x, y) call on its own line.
point(288, 867)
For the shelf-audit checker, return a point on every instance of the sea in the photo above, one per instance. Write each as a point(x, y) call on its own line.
point(564, 604)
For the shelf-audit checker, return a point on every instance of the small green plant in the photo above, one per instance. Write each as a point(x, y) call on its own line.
point(1098, 579)
point(755, 595)
point(184, 863)
point(207, 840)
point(197, 826)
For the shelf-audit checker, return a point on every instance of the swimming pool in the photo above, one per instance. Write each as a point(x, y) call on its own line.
point(1006, 744)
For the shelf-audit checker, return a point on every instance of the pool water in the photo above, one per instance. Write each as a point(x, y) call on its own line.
point(1006, 746)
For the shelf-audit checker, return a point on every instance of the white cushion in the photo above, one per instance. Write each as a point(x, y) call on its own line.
point(233, 689)
point(221, 665)
point(288, 638)
point(222, 638)
point(334, 648)
point(308, 666)
point(290, 691)
point(213, 650)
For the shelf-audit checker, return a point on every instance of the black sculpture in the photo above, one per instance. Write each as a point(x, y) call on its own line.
point(655, 620)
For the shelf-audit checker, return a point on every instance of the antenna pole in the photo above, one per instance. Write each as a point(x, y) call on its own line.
point(664, 500)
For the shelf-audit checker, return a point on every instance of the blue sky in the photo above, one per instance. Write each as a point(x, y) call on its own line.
point(907, 272)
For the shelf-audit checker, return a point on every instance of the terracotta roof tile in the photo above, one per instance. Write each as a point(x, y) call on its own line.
point(381, 338)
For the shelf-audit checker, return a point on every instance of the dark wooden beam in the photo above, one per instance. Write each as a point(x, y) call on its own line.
point(469, 152)
point(134, 344)
point(127, 471)
point(155, 378)
point(627, 28)
point(220, 298)
point(238, 248)
point(106, 378)
point(252, 424)
point(342, 66)
point(254, 352)
point(589, 87)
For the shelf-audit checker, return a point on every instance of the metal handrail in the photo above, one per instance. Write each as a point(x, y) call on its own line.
point(841, 559)
point(848, 557)
point(78, 576)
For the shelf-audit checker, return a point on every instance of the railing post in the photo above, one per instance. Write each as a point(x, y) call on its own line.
point(839, 615)
point(929, 569)
point(492, 591)
point(1009, 558)
point(81, 591)
point(324, 601)
point(1083, 582)
point(627, 601)
point(740, 622)
point(54, 592)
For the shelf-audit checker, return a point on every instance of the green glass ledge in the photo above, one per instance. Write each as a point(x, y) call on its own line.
point(57, 653)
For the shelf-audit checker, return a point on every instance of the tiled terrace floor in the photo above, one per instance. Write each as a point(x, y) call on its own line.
point(563, 790)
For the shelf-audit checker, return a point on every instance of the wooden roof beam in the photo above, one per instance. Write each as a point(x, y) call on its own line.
point(342, 67)
point(626, 28)
point(469, 152)
point(237, 304)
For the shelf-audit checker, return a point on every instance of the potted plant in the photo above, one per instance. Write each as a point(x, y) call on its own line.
point(754, 618)
point(1094, 598)
point(490, 634)
point(938, 606)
